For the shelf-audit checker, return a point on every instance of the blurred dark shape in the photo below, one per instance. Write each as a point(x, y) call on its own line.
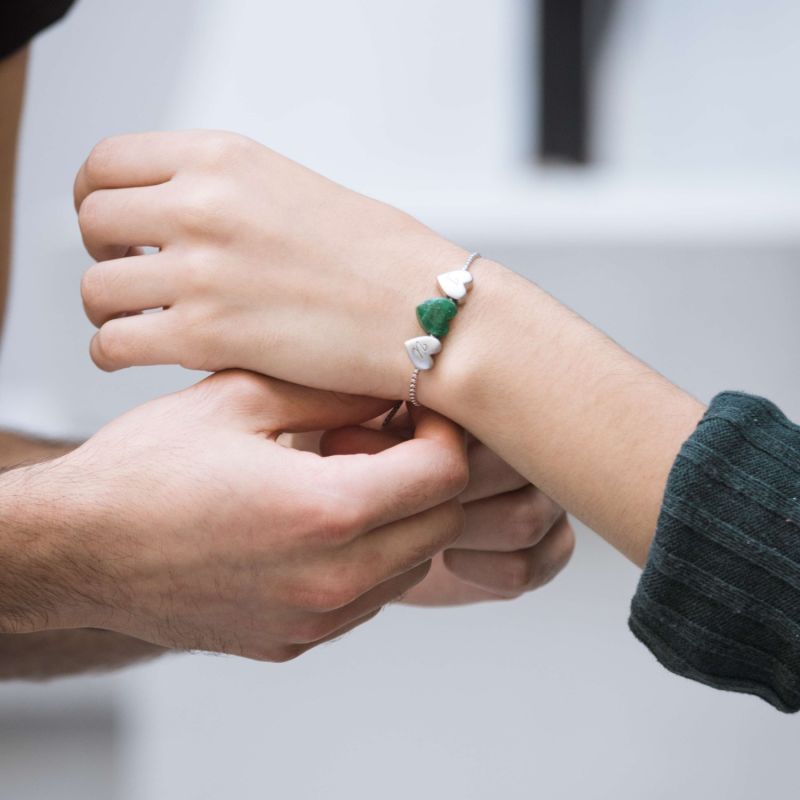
point(571, 34)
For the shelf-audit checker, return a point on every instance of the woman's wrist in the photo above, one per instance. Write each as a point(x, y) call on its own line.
point(421, 258)
point(463, 370)
point(580, 417)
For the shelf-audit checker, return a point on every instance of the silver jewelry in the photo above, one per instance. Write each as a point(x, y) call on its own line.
point(434, 316)
point(421, 349)
point(412, 388)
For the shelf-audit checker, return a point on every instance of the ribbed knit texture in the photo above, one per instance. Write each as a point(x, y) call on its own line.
point(719, 598)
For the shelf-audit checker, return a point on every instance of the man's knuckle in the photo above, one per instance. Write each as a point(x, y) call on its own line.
point(518, 572)
point(330, 596)
point(310, 629)
point(346, 586)
point(443, 526)
point(334, 520)
point(320, 594)
point(453, 521)
point(200, 271)
point(455, 473)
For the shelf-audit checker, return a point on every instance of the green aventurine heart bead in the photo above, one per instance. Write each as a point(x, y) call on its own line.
point(434, 315)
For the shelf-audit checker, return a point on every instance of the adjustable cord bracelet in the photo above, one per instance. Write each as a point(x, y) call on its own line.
point(434, 316)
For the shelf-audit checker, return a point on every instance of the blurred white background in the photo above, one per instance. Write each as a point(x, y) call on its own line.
point(681, 240)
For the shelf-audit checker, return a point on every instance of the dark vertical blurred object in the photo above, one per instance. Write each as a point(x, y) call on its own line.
point(571, 33)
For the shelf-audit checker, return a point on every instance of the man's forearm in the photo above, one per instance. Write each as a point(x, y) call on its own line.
point(580, 417)
point(48, 654)
point(52, 654)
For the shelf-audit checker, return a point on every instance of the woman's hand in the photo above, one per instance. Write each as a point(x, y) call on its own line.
point(266, 265)
point(263, 264)
point(515, 539)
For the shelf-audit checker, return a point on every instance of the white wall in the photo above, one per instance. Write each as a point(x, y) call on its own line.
point(682, 243)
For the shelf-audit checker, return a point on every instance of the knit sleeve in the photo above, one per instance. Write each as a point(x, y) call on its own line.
point(719, 598)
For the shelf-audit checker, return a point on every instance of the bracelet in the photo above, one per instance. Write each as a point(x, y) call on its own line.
point(434, 316)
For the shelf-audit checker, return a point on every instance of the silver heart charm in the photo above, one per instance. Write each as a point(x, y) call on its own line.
point(421, 348)
point(454, 284)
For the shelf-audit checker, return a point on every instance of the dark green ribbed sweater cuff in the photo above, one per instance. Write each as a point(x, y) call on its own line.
point(719, 598)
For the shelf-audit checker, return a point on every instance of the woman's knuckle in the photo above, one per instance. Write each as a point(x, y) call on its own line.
point(111, 347)
point(195, 343)
point(201, 212)
point(566, 544)
point(93, 286)
point(219, 148)
point(89, 213)
point(527, 527)
point(518, 572)
point(99, 159)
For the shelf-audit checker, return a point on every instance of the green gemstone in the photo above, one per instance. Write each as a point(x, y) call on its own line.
point(434, 315)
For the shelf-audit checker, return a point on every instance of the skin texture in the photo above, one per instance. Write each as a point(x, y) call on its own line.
point(297, 250)
point(307, 552)
point(48, 653)
point(253, 247)
point(515, 538)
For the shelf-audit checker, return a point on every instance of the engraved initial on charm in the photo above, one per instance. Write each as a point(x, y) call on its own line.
point(420, 350)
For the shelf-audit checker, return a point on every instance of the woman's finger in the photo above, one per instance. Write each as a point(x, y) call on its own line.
point(134, 159)
point(114, 220)
point(512, 574)
point(141, 340)
point(489, 474)
point(443, 588)
point(128, 285)
point(508, 522)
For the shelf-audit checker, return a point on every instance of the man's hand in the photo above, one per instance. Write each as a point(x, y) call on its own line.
point(515, 539)
point(186, 524)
